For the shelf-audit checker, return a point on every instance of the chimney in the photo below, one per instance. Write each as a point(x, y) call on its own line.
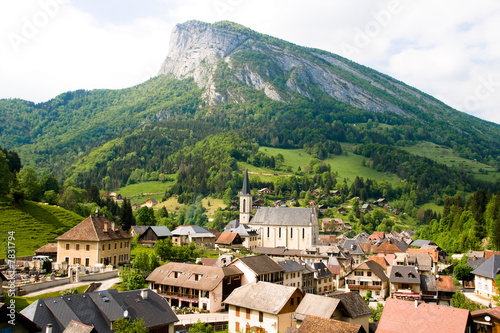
point(112, 226)
point(105, 227)
point(144, 293)
point(48, 329)
point(416, 304)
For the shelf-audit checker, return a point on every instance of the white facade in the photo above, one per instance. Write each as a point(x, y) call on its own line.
point(484, 286)
point(294, 238)
point(293, 279)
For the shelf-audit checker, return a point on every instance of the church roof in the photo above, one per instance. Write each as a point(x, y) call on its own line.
point(285, 216)
point(245, 190)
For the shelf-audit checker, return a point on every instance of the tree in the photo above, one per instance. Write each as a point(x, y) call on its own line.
point(145, 263)
point(126, 215)
point(376, 313)
point(5, 174)
point(124, 325)
point(131, 280)
point(29, 185)
point(145, 216)
point(463, 272)
point(49, 183)
point(200, 327)
point(163, 248)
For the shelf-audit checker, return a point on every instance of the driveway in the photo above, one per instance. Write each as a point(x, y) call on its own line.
point(478, 299)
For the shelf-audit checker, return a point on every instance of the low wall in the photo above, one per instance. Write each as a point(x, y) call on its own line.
point(99, 276)
point(32, 287)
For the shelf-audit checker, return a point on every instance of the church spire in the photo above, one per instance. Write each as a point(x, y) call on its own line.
point(246, 187)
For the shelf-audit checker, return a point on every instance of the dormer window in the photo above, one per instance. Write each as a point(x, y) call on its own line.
point(399, 275)
point(411, 275)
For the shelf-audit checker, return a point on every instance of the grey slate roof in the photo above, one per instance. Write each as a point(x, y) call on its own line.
point(285, 216)
point(92, 310)
point(353, 305)
point(490, 268)
point(421, 242)
point(290, 266)
point(241, 229)
point(161, 230)
point(323, 271)
point(316, 305)
point(140, 229)
point(404, 274)
point(352, 245)
point(261, 264)
point(245, 190)
point(261, 296)
point(476, 262)
point(192, 230)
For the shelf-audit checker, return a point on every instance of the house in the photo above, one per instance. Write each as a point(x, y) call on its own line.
point(265, 190)
point(405, 282)
point(437, 289)
point(118, 198)
point(15, 321)
point(101, 309)
point(49, 249)
point(391, 246)
point(368, 276)
point(293, 228)
point(229, 241)
point(262, 307)
point(377, 236)
point(335, 193)
point(325, 280)
point(422, 261)
point(421, 242)
point(433, 253)
point(381, 202)
point(399, 315)
point(279, 203)
point(199, 286)
point(366, 208)
point(342, 210)
point(332, 308)
point(95, 240)
point(153, 234)
point(487, 320)
point(150, 202)
point(321, 325)
point(332, 224)
point(258, 203)
point(352, 247)
point(259, 268)
point(308, 280)
point(355, 308)
point(185, 234)
point(249, 235)
point(138, 230)
point(484, 277)
point(323, 208)
point(135, 206)
point(292, 275)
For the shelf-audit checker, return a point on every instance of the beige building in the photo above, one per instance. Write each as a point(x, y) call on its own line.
point(262, 307)
point(95, 240)
point(185, 234)
point(368, 276)
point(199, 286)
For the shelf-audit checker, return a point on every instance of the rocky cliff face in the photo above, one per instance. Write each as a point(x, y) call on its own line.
point(197, 50)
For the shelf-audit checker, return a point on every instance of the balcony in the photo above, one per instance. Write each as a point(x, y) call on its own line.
point(190, 297)
point(363, 287)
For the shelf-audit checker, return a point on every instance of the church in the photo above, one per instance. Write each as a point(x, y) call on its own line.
point(293, 228)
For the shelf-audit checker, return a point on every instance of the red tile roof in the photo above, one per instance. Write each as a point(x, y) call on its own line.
point(432, 252)
point(380, 260)
point(92, 229)
point(312, 324)
point(445, 283)
point(403, 316)
point(227, 238)
point(47, 248)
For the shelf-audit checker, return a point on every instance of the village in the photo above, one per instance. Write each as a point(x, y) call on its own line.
point(275, 273)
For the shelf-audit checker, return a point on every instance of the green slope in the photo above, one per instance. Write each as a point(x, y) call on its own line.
point(34, 225)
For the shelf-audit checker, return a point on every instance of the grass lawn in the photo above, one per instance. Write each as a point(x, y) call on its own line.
point(139, 193)
point(34, 225)
point(347, 167)
point(433, 206)
point(447, 156)
point(22, 302)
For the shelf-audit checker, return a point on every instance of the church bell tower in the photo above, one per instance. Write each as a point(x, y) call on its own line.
point(245, 200)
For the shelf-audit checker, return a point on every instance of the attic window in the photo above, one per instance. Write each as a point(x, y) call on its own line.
point(397, 274)
point(411, 275)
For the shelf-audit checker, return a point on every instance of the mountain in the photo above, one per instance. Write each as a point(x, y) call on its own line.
point(223, 83)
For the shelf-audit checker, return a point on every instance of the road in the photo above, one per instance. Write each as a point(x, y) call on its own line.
point(106, 284)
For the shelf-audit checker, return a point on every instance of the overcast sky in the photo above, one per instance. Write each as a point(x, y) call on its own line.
point(449, 49)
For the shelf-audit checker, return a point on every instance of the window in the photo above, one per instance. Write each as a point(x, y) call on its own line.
point(358, 273)
point(237, 326)
point(126, 244)
point(298, 299)
point(377, 293)
point(303, 233)
point(67, 247)
point(237, 311)
point(125, 257)
point(121, 245)
point(291, 232)
point(76, 261)
point(77, 247)
point(261, 316)
point(268, 232)
point(248, 313)
point(115, 246)
point(291, 301)
point(376, 283)
point(87, 247)
point(103, 247)
point(368, 273)
point(66, 259)
point(87, 262)
point(120, 258)
point(279, 232)
point(109, 247)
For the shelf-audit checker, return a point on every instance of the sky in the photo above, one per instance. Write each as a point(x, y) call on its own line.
point(449, 49)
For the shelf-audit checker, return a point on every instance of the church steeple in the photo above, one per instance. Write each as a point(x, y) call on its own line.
point(245, 200)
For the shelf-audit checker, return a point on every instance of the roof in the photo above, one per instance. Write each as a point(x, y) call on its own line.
point(245, 190)
point(404, 274)
point(208, 261)
point(290, 266)
point(420, 242)
point(262, 296)
point(261, 264)
point(424, 318)
point(226, 238)
point(316, 305)
point(285, 216)
point(377, 235)
point(98, 309)
point(323, 271)
point(431, 252)
point(488, 254)
point(352, 245)
point(76, 327)
point(21, 320)
point(490, 268)
point(240, 228)
point(353, 304)
point(313, 324)
point(381, 261)
point(160, 230)
point(139, 229)
point(92, 229)
point(209, 277)
point(192, 230)
point(374, 267)
point(47, 248)
point(494, 312)
point(476, 262)
point(392, 246)
point(445, 283)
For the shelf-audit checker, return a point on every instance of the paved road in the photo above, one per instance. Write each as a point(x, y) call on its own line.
point(478, 299)
point(106, 284)
point(189, 319)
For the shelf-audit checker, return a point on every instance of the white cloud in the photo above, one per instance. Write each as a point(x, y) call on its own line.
point(446, 49)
